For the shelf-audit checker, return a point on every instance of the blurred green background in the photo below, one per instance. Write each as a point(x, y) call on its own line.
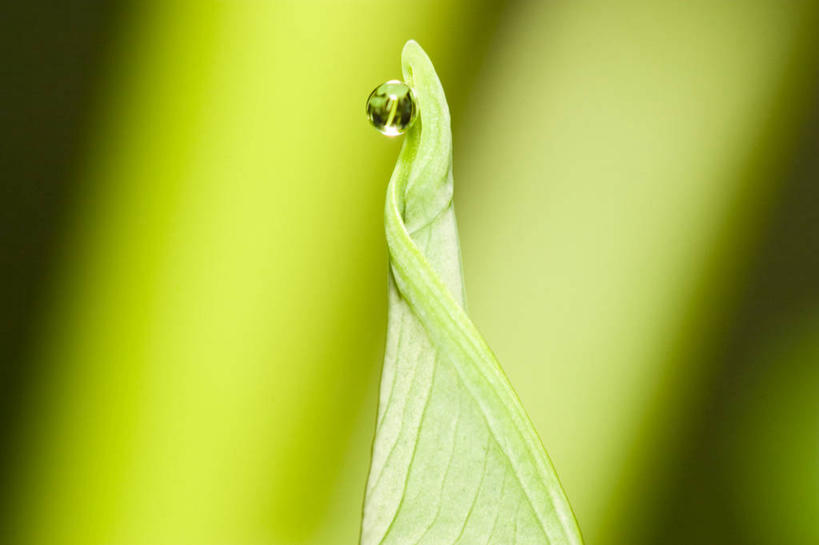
point(193, 292)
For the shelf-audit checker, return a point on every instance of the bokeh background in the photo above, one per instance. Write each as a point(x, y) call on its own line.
point(193, 295)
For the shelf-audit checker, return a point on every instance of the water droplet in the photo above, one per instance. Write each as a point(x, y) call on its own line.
point(391, 108)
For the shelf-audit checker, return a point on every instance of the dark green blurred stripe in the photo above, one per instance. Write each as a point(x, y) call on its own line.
point(772, 295)
point(700, 503)
point(54, 55)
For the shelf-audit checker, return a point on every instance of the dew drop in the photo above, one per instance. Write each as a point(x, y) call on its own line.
point(391, 108)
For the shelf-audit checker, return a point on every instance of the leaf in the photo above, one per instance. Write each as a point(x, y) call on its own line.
point(456, 460)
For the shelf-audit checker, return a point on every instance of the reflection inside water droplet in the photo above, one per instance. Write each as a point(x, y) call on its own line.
point(391, 108)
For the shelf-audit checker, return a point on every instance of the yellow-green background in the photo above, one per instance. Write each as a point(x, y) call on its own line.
point(196, 274)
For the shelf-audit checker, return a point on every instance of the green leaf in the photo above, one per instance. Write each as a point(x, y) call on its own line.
point(456, 460)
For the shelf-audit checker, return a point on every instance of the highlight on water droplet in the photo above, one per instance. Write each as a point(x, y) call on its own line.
point(391, 108)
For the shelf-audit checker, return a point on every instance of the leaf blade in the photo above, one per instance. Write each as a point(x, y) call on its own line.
point(455, 458)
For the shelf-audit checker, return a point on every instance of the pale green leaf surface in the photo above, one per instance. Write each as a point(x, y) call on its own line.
point(456, 460)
